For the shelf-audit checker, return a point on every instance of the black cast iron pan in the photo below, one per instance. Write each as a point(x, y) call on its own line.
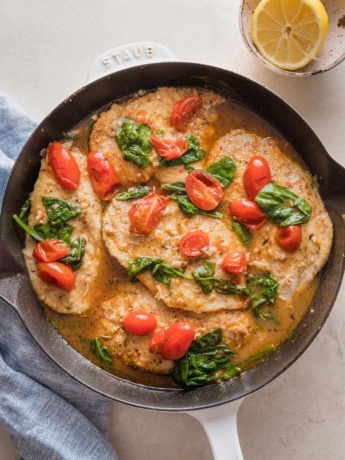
point(15, 286)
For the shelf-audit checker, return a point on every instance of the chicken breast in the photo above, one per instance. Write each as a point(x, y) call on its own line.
point(292, 270)
point(86, 224)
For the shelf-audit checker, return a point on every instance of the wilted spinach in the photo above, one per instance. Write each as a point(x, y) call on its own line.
point(134, 142)
point(75, 254)
point(263, 289)
point(101, 352)
point(160, 271)
point(133, 193)
point(193, 154)
point(242, 232)
point(223, 170)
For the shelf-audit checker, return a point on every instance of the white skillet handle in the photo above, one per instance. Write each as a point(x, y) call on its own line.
point(220, 425)
point(129, 55)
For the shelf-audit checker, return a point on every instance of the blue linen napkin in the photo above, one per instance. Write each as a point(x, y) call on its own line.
point(47, 414)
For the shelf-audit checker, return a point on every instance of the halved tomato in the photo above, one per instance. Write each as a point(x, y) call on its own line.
point(50, 250)
point(235, 262)
point(65, 168)
point(247, 213)
point(140, 322)
point(145, 214)
point(193, 243)
point(174, 341)
point(169, 149)
point(57, 273)
point(203, 190)
point(289, 238)
point(103, 175)
point(183, 112)
point(256, 176)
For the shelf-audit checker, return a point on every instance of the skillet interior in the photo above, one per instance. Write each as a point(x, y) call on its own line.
point(15, 286)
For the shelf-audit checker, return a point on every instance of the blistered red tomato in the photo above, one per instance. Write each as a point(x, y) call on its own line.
point(65, 168)
point(247, 213)
point(57, 273)
point(289, 238)
point(184, 111)
point(140, 322)
point(174, 341)
point(50, 250)
point(103, 175)
point(169, 149)
point(256, 176)
point(235, 262)
point(203, 190)
point(193, 243)
point(145, 214)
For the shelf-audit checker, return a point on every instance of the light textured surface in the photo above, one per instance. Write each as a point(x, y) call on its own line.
point(46, 49)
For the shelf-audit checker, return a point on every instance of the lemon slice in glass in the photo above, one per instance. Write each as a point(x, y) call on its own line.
point(289, 33)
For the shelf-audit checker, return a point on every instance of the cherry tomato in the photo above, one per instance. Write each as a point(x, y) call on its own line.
point(140, 322)
point(289, 238)
point(235, 262)
point(57, 273)
point(50, 250)
point(203, 190)
point(174, 341)
point(193, 243)
point(169, 149)
point(64, 166)
point(247, 213)
point(256, 176)
point(144, 215)
point(183, 112)
point(102, 174)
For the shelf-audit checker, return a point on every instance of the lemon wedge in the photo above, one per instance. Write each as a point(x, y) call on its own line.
point(289, 33)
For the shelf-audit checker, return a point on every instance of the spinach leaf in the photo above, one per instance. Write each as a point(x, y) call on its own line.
point(282, 206)
point(184, 203)
point(263, 289)
point(47, 231)
point(134, 142)
point(163, 273)
point(59, 211)
point(30, 230)
point(76, 254)
point(133, 193)
point(223, 170)
point(141, 264)
point(242, 232)
point(193, 154)
point(203, 275)
point(206, 361)
point(25, 211)
point(101, 352)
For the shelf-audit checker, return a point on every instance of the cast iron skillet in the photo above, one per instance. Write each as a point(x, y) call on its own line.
point(15, 286)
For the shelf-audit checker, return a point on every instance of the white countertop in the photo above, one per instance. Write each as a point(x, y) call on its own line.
point(46, 49)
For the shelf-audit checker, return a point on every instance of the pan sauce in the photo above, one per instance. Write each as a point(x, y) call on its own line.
point(112, 281)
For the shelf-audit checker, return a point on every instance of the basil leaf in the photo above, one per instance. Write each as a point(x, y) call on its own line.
point(206, 361)
point(141, 264)
point(133, 193)
point(203, 275)
point(242, 232)
point(193, 154)
point(47, 231)
point(76, 254)
point(134, 142)
point(59, 211)
point(189, 209)
point(223, 286)
point(163, 273)
point(178, 187)
point(282, 206)
point(101, 352)
point(223, 170)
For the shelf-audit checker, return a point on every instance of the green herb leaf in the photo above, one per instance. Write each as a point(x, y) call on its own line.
point(260, 355)
point(203, 275)
point(67, 137)
point(30, 230)
point(59, 211)
point(25, 211)
point(206, 361)
point(141, 264)
point(223, 286)
point(282, 206)
point(76, 254)
point(47, 231)
point(193, 154)
point(178, 187)
point(262, 290)
point(223, 170)
point(101, 352)
point(133, 193)
point(243, 233)
point(134, 142)
point(163, 273)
